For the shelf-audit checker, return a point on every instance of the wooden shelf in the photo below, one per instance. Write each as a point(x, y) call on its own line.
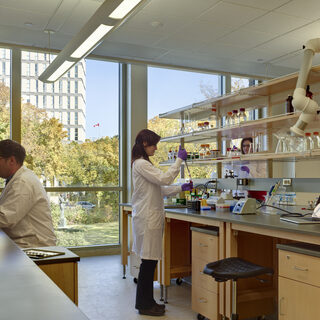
point(246, 129)
point(197, 110)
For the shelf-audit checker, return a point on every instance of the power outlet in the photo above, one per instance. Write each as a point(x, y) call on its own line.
point(286, 182)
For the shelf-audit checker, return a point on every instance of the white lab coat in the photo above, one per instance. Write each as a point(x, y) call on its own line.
point(25, 211)
point(150, 185)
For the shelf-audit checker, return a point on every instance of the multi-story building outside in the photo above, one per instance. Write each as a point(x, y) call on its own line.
point(64, 99)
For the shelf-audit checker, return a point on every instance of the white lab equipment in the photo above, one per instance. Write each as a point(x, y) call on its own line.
point(316, 211)
point(245, 206)
point(307, 106)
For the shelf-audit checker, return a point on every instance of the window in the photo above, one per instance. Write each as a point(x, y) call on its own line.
point(5, 79)
point(66, 150)
point(170, 89)
point(76, 102)
point(76, 138)
point(76, 71)
point(76, 86)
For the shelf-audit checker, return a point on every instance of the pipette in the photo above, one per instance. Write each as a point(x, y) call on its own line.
point(188, 170)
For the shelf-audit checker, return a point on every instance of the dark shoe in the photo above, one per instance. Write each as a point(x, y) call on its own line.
point(160, 306)
point(153, 311)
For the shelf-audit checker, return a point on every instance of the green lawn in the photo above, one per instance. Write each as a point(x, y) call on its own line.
point(88, 234)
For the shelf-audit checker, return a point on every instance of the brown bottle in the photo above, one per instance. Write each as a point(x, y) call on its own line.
point(309, 94)
point(289, 106)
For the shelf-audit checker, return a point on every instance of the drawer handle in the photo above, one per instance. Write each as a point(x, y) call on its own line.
point(203, 300)
point(281, 306)
point(301, 268)
point(203, 245)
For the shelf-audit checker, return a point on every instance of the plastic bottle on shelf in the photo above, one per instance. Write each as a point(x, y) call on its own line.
point(208, 152)
point(316, 140)
point(289, 106)
point(202, 151)
point(169, 155)
point(308, 142)
point(234, 117)
point(242, 117)
point(228, 119)
point(214, 120)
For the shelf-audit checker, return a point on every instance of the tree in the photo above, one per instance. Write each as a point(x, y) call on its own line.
point(4, 111)
point(42, 138)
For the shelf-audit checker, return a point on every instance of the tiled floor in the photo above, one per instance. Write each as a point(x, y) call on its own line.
point(103, 294)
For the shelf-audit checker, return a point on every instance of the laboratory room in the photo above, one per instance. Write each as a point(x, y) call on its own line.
point(159, 159)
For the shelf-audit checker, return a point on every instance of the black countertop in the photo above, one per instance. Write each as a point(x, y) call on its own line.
point(26, 292)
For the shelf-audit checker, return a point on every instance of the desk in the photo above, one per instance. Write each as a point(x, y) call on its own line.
point(252, 237)
point(62, 270)
point(26, 292)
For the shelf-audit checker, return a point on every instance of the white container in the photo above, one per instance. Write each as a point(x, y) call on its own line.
point(222, 207)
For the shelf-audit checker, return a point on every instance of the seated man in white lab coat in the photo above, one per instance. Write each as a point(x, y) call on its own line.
point(24, 206)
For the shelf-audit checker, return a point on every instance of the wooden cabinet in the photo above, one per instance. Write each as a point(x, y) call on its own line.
point(62, 270)
point(205, 292)
point(299, 286)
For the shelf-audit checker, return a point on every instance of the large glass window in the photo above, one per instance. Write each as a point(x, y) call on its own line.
point(5, 93)
point(171, 89)
point(76, 144)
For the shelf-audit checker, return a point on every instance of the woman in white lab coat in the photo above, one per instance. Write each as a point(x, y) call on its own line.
point(150, 185)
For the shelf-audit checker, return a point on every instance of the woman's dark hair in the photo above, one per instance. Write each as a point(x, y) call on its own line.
point(10, 148)
point(242, 142)
point(148, 137)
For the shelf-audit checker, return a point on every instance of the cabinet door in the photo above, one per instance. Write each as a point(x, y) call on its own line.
point(205, 246)
point(205, 302)
point(200, 279)
point(297, 300)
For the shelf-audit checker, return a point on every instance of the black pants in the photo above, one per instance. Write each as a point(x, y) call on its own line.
point(144, 297)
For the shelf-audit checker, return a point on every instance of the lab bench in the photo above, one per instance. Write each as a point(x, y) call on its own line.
point(27, 292)
point(251, 237)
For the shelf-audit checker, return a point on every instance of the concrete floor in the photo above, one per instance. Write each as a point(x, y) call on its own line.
point(103, 294)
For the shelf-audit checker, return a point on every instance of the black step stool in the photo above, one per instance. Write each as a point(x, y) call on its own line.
point(234, 269)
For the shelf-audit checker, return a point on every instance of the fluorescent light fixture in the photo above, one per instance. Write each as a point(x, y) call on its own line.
point(123, 9)
point(92, 41)
point(108, 17)
point(61, 70)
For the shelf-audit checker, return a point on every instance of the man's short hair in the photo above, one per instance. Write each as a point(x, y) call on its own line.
point(10, 148)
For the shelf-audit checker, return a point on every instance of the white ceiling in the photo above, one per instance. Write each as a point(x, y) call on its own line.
point(256, 37)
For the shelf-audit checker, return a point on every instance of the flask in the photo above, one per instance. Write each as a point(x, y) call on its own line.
point(228, 119)
point(214, 119)
point(289, 106)
point(308, 142)
point(242, 117)
point(234, 118)
point(316, 140)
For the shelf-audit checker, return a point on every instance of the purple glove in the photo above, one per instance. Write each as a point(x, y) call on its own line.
point(182, 154)
point(245, 168)
point(187, 186)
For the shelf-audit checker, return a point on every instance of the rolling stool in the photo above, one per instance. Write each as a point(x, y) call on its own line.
point(234, 269)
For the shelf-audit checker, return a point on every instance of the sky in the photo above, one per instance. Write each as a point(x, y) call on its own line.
point(167, 90)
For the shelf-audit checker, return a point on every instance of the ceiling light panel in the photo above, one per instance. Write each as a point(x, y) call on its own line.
point(61, 70)
point(92, 41)
point(123, 9)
